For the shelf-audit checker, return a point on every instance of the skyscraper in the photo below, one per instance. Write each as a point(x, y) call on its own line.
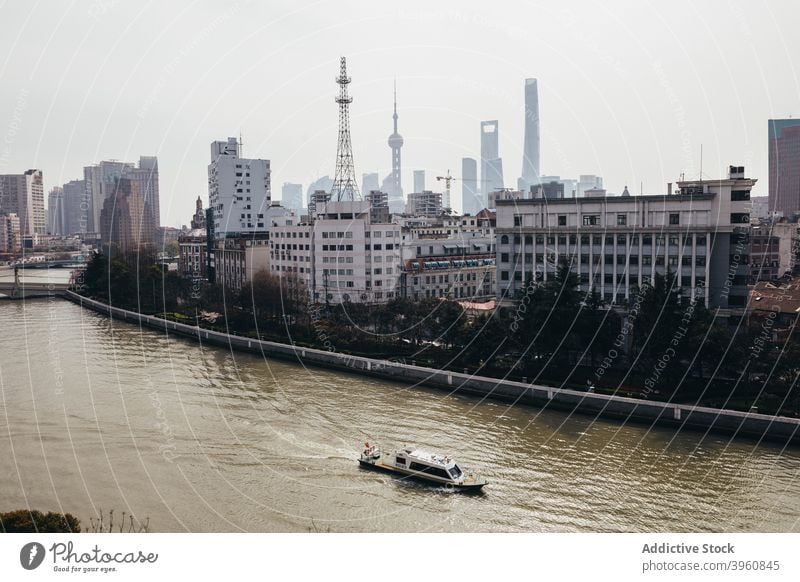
point(23, 195)
point(419, 180)
point(292, 196)
point(125, 220)
point(55, 211)
point(370, 182)
point(77, 208)
point(784, 165)
point(530, 155)
point(395, 189)
point(490, 159)
point(470, 202)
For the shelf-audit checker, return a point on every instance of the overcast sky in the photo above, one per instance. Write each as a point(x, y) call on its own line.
point(628, 89)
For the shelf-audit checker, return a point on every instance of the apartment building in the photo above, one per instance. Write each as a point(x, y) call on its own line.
point(615, 244)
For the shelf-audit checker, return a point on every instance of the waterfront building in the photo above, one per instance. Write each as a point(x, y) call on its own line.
point(56, 220)
point(100, 183)
point(124, 219)
point(530, 155)
point(784, 166)
point(424, 203)
point(23, 195)
point(10, 238)
point(452, 259)
point(615, 244)
point(292, 196)
point(238, 190)
point(340, 256)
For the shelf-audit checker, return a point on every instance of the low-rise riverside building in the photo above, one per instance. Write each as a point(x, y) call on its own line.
point(615, 244)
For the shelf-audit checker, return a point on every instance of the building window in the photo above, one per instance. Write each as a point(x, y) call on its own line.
point(674, 218)
point(504, 275)
point(622, 219)
point(503, 257)
point(504, 239)
point(562, 220)
point(591, 220)
point(517, 220)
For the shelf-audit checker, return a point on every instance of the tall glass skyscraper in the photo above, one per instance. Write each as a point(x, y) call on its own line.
point(490, 162)
point(784, 166)
point(530, 155)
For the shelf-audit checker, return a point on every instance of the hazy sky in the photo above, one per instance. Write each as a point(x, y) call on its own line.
point(628, 89)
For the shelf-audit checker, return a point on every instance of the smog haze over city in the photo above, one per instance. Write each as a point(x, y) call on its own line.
point(628, 90)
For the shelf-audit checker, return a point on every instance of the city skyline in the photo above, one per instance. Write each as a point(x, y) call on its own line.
point(608, 108)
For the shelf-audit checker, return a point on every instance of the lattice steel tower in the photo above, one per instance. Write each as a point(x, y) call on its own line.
point(344, 184)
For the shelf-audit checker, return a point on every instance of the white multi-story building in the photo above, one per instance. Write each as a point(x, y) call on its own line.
point(340, 256)
point(617, 243)
point(454, 259)
point(238, 190)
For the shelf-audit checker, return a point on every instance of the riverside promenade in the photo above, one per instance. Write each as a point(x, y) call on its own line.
point(779, 429)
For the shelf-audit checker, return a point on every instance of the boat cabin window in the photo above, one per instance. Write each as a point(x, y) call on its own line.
point(435, 471)
point(400, 461)
point(455, 472)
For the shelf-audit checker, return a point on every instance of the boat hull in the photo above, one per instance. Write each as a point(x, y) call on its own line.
point(376, 465)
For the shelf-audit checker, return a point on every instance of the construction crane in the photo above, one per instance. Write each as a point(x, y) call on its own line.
point(447, 179)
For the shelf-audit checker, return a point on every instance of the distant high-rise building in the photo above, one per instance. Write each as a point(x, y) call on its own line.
point(470, 201)
point(292, 196)
point(370, 182)
point(494, 180)
point(324, 183)
point(23, 195)
point(490, 158)
point(9, 233)
point(147, 176)
point(77, 208)
point(530, 155)
point(100, 183)
point(56, 223)
point(419, 180)
point(238, 190)
point(588, 182)
point(784, 165)
point(394, 187)
point(124, 220)
point(425, 203)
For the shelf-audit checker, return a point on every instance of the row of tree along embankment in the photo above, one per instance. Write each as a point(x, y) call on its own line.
point(779, 429)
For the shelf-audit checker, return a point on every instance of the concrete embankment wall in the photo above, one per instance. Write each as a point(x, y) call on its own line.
point(741, 424)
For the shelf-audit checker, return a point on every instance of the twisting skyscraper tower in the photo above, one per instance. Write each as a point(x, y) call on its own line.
point(395, 183)
point(344, 183)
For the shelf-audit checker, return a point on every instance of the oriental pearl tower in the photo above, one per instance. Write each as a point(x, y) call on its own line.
point(395, 188)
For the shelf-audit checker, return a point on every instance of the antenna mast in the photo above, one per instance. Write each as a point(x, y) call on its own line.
point(344, 184)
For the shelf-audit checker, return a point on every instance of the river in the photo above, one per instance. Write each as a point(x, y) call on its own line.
point(100, 415)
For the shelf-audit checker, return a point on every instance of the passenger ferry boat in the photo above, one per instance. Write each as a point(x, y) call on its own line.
point(419, 464)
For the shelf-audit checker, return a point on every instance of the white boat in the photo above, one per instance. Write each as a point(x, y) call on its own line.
point(418, 464)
